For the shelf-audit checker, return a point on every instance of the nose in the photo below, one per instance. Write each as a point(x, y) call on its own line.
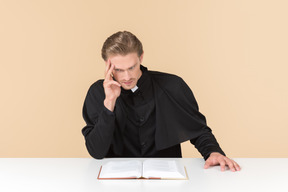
point(126, 76)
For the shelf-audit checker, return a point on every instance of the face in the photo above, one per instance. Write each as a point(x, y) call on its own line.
point(127, 69)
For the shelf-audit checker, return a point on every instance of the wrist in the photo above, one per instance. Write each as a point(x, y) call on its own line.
point(109, 104)
point(213, 154)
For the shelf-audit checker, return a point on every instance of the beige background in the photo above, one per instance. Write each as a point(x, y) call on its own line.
point(233, 55)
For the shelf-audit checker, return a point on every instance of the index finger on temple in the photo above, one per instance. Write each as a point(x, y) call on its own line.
point(109, 72)
point(108, 64)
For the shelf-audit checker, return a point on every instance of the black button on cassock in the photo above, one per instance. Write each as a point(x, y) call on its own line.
point(141, 119)
point(143, 144)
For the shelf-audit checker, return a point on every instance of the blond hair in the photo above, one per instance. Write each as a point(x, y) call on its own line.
point(121, 43)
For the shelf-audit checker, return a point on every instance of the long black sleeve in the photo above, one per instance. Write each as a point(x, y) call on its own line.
point(100, 122)
point(206, 143)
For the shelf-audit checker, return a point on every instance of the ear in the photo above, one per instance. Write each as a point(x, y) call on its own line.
point(141, 58)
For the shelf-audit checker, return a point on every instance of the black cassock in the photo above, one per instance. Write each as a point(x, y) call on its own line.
point(174, 117)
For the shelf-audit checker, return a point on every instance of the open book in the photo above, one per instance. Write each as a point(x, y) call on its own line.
point(147, 169)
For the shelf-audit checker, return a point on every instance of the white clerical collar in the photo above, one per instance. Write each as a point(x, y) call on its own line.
point(134, 89)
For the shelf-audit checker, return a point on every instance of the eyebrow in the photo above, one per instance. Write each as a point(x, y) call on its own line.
point(115, 68)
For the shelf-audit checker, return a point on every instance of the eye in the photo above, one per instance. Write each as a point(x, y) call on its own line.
point(118, 70)
point(131, 68)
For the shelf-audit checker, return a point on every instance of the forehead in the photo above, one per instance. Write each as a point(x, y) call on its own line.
point(124, 61)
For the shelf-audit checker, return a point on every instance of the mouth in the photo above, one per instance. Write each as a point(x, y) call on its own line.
point(128, 83)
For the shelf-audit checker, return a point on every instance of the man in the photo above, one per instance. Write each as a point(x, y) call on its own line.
point(135, 112)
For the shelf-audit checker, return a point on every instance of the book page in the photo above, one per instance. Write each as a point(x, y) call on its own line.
point(163, 169)
point(121, 169)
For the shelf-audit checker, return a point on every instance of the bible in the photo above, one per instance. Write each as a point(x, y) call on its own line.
point(147, 169)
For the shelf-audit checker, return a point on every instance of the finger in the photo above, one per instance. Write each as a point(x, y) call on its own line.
point(108, 63)
point(222, 164)
point(208, 163)
point(107, 68)
point(238, 168)
point(109, 72)
point(230, 164)
point(235, 165)
point(109, 83)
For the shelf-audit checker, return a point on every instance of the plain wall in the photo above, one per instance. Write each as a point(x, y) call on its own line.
point(233, 55)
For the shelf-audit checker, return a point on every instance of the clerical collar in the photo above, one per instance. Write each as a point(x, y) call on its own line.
point(134, 89)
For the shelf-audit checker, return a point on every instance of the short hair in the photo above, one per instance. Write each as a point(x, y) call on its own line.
point(121, 43)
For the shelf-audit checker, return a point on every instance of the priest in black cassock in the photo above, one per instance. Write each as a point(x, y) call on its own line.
point(135, 112)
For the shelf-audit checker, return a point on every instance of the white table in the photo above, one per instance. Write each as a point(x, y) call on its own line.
point(80, 174)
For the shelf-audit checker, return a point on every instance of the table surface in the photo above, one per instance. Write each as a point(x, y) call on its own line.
point(80, 174)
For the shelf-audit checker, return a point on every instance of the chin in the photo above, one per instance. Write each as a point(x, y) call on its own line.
point(128, 87)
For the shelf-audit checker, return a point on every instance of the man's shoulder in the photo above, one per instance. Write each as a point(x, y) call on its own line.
point(96, 86)
point(98, 83)
point(166, 78)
